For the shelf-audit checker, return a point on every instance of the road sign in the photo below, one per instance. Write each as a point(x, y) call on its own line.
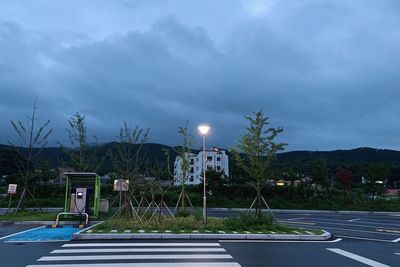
point(121, 185)
point(12, 189)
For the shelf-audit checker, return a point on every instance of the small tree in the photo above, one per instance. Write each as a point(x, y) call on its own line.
point(255, 152)
point(82, 157)
point(32, 142)
point(183, 154)
point(128, 159)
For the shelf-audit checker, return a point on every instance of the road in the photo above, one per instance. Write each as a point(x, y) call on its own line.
point(359, 240)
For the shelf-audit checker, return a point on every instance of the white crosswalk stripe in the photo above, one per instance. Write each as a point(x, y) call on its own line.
point(138, 255)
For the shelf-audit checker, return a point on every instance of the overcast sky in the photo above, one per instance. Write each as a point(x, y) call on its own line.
point(327, 71)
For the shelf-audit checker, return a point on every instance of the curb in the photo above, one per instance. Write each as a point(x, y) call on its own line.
point(325, 236)
point(310, 211)
point(41, 222)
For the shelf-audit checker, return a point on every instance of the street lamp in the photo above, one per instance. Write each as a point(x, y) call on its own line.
point(203, 129)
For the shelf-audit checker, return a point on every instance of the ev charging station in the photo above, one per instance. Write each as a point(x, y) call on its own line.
point(82, 193)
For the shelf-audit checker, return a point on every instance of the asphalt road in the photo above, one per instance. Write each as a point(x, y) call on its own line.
point(359, 240)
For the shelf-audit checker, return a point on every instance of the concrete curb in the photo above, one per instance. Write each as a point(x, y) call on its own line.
point(310, 211)
point(110, 236)
point(41, 222)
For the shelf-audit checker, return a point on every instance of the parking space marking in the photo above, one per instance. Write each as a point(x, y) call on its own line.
point(353, 220)
point(365, 238)
point(358, 258)
point(396, 240)
point(7, 236)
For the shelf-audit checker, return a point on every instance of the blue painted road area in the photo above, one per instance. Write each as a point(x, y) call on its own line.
point(44, 234)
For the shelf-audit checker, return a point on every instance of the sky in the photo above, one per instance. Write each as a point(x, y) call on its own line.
point(326, 71)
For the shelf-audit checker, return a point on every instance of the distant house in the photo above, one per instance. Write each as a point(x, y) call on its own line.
point(216, 159)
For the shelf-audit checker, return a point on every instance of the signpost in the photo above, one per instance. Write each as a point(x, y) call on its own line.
point(121, 186)
point(12, 190)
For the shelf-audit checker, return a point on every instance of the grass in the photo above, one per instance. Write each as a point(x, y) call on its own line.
point(36, 216)
point(28, 216)
point(191, 223)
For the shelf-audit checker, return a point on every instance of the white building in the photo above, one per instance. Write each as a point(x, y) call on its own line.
point(215, 159)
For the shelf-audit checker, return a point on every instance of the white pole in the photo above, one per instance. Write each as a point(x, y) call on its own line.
point(204, 182)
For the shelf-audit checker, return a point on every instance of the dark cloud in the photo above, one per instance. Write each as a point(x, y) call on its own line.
point(325, 71)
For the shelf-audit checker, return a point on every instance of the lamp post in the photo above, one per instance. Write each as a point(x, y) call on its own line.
point(203, 129)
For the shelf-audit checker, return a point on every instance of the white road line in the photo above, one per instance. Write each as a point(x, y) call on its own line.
point(295, 219)
point(365, 238)
point(7, 236)
point(346, 229)
point(278, 241)
point(353, 220)
point(357, 257)
point(136, 257)
point(141, 245)
point(116, 250)
point(396, 240)
point(148, 264)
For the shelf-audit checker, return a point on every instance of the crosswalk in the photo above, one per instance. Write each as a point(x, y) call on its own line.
point(138, 254)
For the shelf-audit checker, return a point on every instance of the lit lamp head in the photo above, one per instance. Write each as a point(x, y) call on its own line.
point(204, 129)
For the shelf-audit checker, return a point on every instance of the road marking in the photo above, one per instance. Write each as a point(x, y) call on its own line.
point(351, 230)
point(148, 264)
point(115, 250)
point(307, 223)
point(365, 238)
point(279, 241)
point(295, 219)
point(394, 231)
point(136, 257)
point(7, 236)
point(141, 245)
point(353, 220)
point(396, 240)
point(357, 257)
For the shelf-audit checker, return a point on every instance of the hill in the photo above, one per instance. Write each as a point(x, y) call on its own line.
point(301, 161)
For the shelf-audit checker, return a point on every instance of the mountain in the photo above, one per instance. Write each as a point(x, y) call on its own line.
point(301, 161)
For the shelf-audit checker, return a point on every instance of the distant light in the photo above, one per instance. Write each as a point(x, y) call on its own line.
point(204, 129)
point(280, 183)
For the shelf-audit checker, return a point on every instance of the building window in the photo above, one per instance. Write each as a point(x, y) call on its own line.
point(209, 158)
point(192, 161)
point(209, 167)
point(218, 159)
point(191, 179)
point(218, 168)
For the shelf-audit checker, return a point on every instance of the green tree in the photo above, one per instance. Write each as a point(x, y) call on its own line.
point(320, 173)
point(82, 157)
point(376, 178)
point(128, 158)
point(181, 177)
point(256, 151)
point(32, 142)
